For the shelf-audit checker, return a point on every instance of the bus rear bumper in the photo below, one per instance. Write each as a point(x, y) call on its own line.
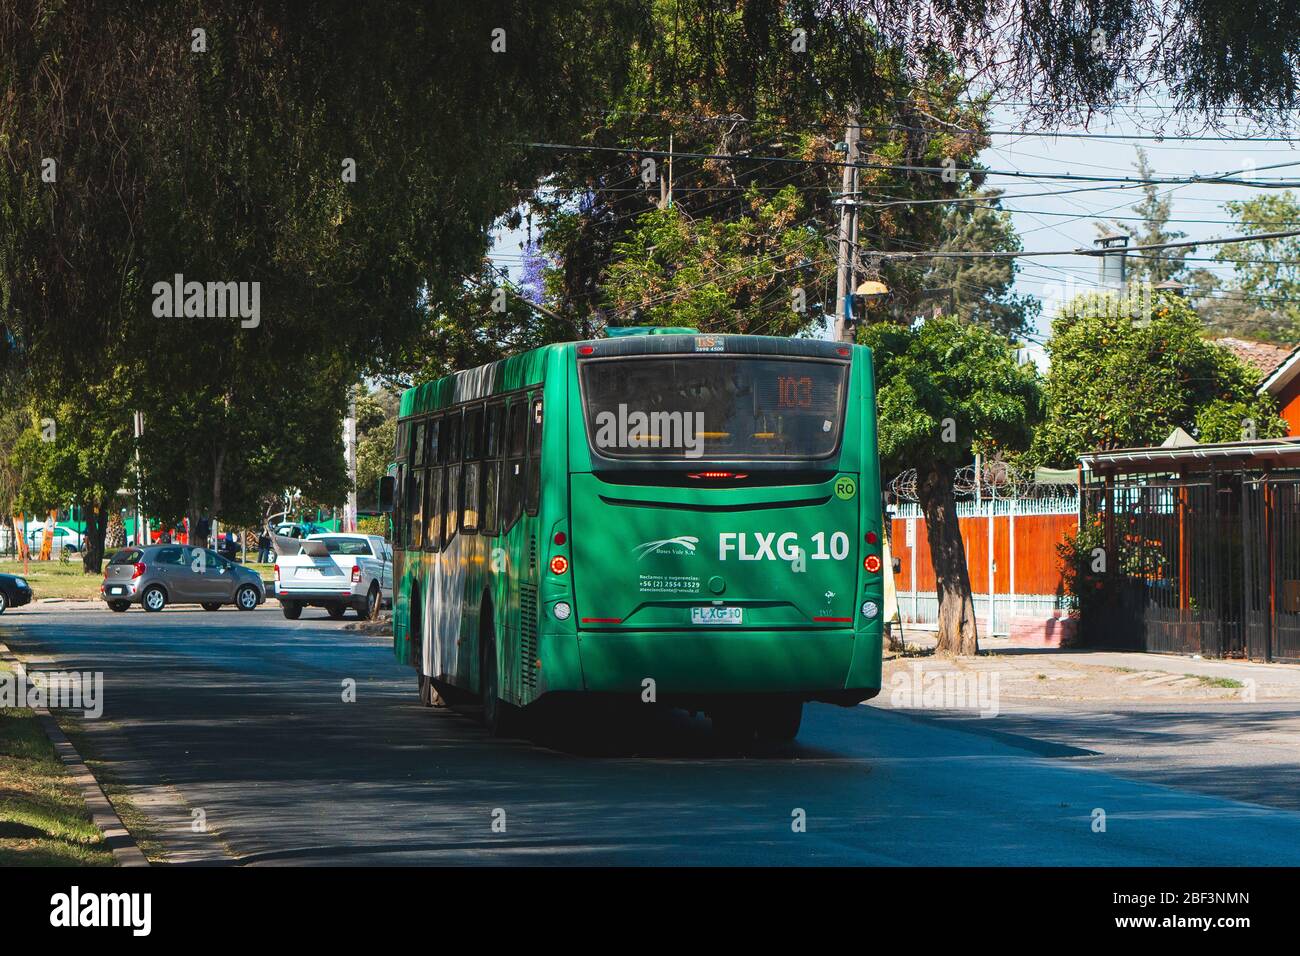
point(838, 666)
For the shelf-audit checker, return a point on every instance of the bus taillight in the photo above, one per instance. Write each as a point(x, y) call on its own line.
point(872, 563)
point(717, 475)
point(559, 564)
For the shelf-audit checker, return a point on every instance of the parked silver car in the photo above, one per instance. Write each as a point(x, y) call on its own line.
point(163, 574)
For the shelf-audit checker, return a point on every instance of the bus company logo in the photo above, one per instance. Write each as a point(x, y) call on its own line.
point(637, 429)
point(681, 545)
point(710, 343)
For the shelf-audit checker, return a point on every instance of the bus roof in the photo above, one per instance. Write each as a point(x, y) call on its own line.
point(520, 371)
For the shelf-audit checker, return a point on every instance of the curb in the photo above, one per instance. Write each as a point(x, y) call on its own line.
point(116, 836)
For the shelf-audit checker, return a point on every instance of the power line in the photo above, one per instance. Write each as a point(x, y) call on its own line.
point(1222, 178)
point(1085, 252)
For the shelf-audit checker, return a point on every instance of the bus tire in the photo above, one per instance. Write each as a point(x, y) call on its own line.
point(292, 609)
point(498, 716)
point(778, 721)
point(733, 727)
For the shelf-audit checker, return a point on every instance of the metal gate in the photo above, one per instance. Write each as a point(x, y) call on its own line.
point(1207, 565)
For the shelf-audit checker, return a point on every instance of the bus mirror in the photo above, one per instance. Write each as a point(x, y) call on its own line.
point(386, 489)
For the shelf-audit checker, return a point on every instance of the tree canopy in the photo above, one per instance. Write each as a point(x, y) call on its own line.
point(1123, 376)
point(946, 390)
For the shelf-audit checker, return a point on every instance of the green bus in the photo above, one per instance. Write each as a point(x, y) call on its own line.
point(689, 519)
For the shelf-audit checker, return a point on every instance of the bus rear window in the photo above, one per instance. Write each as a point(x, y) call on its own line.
point(686, 408)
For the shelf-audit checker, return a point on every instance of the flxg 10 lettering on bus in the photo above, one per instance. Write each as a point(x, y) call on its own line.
point(773, 546)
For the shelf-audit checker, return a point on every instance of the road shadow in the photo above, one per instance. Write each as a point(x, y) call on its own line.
point(617, 728)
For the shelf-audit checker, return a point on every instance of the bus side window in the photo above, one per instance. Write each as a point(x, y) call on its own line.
point(491, 467)
point(451, 476)
point(399, 498)
point(515, 445)
point(532, 489)
point(398, 515)
point(415, 489)
point(470, 478)
point(432, 485)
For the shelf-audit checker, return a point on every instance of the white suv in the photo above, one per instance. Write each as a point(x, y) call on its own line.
point(336, 572)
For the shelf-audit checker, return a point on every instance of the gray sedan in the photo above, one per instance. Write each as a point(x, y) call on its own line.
point(163, 574)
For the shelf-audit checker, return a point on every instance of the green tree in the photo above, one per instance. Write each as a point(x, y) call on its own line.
point(725, 82)
point(976, 290)
point(759, 274)
point(72, 451)
point(376, 443)
point(1120, 380)
point(267, 156)
point(1155, 209)
point(945, 391)
point(1262, 298)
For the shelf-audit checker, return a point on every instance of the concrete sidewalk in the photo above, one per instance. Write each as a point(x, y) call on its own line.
point(1074, 677)
point(1284, 674)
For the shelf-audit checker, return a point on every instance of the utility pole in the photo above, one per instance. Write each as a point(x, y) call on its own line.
point(138, 418)
point(848, 203)
point(350, 456)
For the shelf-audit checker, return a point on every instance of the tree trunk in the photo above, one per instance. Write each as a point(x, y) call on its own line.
point(92, 554)
point(957, 634)
point(193, 512)
point(218, 465)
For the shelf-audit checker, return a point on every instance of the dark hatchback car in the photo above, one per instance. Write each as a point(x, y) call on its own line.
point(14, 592)
point(163, 574)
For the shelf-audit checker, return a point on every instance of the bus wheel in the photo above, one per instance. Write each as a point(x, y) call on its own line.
point(778, 721)
point(429, 695)
point(497, 714)
point(733, 727)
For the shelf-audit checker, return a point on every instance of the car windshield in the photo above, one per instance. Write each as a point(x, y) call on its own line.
point(346, 546)
point(127, 556)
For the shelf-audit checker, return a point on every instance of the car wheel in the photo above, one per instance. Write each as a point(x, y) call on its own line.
point(292, 609)
point(4, 602)
point(153, 598)
point(246, 598)
point(373, 600)
point(336, 611)
point(118, 606)
point(211, 605)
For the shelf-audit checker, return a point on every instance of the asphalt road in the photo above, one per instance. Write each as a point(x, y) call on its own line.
point(242, 716)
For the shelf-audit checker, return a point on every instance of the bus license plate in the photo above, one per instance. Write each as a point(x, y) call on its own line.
point(716, 615)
